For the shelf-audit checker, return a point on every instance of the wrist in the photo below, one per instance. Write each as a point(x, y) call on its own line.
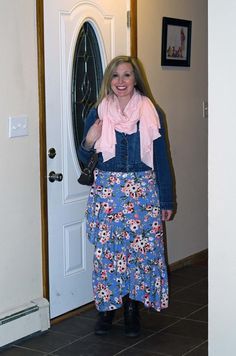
point(88, 145)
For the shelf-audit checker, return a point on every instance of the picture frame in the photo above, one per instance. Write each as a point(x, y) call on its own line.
point(176, 42)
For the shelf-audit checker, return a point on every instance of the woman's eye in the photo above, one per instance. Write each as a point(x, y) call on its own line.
point(123, 76)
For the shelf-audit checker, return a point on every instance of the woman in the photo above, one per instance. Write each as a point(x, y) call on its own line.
point(131, 196)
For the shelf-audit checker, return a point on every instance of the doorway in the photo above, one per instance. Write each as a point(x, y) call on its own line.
point(67, 256)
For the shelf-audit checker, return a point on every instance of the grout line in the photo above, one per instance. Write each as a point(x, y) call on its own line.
point(185, 302)
point(202, 307)
point(146, 338)
point(186, 317)
point(25, 348)
point(164, 328)
point(86, 317)
point(197, 321)
point(188, 302)
point(189, 286)
point(159, 331)
point(56, 332)
point(72, 342)
point(149, 352)
point(195, 348)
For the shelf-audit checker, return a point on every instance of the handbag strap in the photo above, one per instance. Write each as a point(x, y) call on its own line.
point(92, 162)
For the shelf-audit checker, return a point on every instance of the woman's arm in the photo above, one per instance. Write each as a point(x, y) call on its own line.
point(164, 174)
point(85, 151)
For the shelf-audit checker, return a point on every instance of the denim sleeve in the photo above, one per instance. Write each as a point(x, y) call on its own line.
point(83, 153)
point(163, 169)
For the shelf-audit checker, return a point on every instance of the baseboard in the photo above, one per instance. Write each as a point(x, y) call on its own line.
point(24, 321)
point(197, 258)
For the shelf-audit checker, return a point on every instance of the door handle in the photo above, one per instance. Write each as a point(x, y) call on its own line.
point(55, 176)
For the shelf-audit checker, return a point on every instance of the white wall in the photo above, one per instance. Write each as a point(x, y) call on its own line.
point(222, 173)
point(180, 92)
point(20, 240)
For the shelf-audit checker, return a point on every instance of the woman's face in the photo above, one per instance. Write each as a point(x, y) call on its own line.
point(123, 81)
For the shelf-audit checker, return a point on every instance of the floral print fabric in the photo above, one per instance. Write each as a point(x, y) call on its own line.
point(124, 224)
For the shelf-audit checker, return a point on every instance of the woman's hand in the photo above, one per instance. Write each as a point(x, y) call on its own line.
point(166, 214)
point(93, 134)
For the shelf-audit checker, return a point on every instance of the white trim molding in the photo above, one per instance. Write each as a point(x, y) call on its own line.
point(23, 321)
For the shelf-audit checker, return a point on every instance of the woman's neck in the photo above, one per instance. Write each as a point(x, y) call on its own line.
point(123, 101)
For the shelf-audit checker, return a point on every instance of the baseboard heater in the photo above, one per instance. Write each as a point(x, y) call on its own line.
point(24, 321)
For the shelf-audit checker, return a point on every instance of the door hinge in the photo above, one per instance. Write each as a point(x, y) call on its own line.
point(128, 19)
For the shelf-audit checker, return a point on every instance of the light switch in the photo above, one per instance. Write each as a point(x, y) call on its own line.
point(18, 126)
point(205, 109)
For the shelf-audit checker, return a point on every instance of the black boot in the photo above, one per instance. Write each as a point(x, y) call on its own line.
point(131, 317)
point(104, 322)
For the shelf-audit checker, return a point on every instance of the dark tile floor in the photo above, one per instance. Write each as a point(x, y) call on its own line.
point(182, 329)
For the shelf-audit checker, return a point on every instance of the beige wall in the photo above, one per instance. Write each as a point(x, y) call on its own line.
point(20, 240)
point(180, 92)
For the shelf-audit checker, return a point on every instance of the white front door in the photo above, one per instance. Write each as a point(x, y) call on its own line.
point(70, 254)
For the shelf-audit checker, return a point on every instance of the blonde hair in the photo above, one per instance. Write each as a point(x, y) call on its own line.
point(141, 81)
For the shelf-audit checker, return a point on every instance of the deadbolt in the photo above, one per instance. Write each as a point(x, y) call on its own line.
point(52, 152)
point(55, 176)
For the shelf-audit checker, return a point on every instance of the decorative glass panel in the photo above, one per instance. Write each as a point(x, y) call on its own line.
point(86, 78)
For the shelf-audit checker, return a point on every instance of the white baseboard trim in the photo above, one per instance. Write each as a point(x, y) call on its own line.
point(24, 321)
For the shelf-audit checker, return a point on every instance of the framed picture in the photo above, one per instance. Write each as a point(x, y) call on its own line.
point(176, 42)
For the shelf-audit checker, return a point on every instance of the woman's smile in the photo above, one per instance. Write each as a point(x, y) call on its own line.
point(123, 81)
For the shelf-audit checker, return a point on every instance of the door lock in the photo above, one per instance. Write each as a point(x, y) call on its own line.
point(55, 176)
point(52, 152)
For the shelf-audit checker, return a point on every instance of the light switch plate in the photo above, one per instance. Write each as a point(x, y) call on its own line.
point(18, 126)
point(205, 109)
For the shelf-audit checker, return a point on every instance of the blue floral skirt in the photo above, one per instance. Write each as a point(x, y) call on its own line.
point(124, 224)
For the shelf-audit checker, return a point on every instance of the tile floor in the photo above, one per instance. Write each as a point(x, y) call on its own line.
point(182, 329)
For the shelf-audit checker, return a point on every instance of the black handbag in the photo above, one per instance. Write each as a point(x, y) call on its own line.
point(87, 174)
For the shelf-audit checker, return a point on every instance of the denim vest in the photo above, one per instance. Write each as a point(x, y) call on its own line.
point(127, 159)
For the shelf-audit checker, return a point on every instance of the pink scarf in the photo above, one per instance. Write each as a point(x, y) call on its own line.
point(139, 108)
